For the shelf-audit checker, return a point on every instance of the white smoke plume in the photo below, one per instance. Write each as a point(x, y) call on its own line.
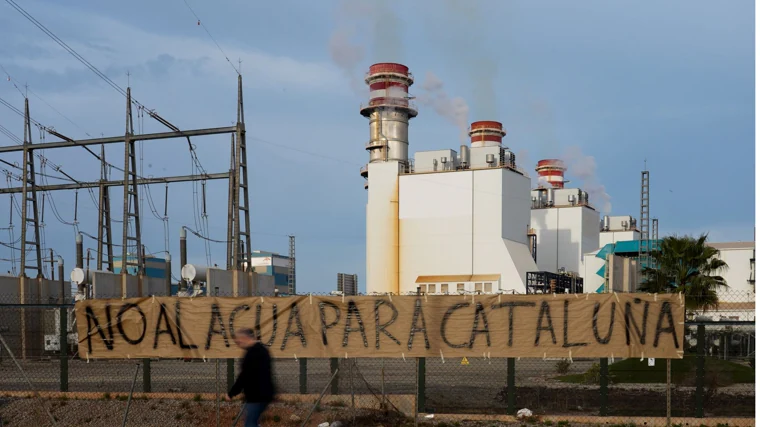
point(583, 167)
point(455, 110)
point(468, 50)
point(348, 40)
point(346, 52)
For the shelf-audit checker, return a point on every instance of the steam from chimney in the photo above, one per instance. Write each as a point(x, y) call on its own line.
point(347, 42)
point(455, 110)
point(583, 167)
point(345, 51)
point(461, 41)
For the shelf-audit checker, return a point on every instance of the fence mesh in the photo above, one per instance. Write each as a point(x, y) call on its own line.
point(714, 380)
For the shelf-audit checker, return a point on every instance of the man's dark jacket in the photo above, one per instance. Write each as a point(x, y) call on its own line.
point(255, 379)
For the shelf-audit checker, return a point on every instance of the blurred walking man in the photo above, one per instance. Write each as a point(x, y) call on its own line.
point(255, 378)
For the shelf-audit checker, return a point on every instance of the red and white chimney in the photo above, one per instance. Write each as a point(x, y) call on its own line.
point(486, 134)
point(552, 171)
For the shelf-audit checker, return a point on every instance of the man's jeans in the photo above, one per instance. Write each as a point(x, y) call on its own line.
point(253, 413)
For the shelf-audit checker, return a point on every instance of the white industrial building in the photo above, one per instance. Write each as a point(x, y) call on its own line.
point(469, 221)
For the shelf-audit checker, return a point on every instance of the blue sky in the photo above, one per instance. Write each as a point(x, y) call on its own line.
point(613, 82)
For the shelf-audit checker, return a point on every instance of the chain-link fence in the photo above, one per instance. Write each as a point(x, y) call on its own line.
point(714, 380)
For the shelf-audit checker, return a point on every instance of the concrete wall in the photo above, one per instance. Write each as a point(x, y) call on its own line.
point(383, 227)
point(464, 223)
point(607, 237)
point(737, 256)
point(430, 161)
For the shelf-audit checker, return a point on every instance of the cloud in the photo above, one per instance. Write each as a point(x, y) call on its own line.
point(113, 45)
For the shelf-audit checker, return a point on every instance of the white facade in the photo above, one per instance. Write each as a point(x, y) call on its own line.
point(737, 255)
point(566, 228)
point(464, 223)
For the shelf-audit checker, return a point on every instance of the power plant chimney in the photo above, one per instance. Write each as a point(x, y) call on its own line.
point(389, 110)
point(486, 134)
point(553, 170)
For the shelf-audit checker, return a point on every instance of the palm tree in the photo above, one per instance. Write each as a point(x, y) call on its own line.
point(688, 265)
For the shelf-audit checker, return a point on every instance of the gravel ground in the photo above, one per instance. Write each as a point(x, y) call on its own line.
point(180, 413)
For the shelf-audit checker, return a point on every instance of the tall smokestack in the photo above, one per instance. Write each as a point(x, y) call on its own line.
point(486, 134)
point(553, 171)
point(389, 110)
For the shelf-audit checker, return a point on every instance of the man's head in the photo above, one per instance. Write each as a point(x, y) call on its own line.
point(245, 338)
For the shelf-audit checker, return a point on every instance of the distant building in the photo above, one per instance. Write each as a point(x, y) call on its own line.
point(272, 264)
point(348, 284)
point(154, 267)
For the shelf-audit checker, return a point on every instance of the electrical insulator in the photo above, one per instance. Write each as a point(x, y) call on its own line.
point(199, 22)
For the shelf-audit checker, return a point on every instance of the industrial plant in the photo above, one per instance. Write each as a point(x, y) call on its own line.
point(446, 221)
point(469, 221)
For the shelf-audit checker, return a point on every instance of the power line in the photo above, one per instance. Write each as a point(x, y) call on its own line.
point(211, 37)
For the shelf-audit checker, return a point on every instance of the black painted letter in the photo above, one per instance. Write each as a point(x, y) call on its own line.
point(512, 305)
point(539, 326)
point(418, 314)
point(182, 344)
point(120, 326)
point(445, 320)
point(642, 333)
point(294, 315)
point(665, 311)
point(565, 342)
point(595, 320)
point(323, 318)
point(165, 316)
point(353, 310)
point(380, 327)
point(216, 318)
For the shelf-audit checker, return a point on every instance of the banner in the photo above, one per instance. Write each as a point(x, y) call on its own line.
point(584, 325)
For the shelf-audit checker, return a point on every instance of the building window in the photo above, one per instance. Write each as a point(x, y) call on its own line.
point(460, 287)
point(479, 288)
point(444, 288)
point(489, 288)
point(431, 289)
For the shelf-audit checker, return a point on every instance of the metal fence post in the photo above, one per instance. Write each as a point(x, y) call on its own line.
point(302, 375)
point(63, 342)
point(230, 373)
point(603, 377)
point(146, 375)
point(421, 384)
point(699, 392)
point(511, 390)
point(333, 370)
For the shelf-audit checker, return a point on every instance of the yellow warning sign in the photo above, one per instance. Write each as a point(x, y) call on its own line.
point(465, 361)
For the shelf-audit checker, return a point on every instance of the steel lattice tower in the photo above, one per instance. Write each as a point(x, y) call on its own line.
point(644, 236)
point(292, 266)
point(29, 202)
point(104, 217)
point(131, 200)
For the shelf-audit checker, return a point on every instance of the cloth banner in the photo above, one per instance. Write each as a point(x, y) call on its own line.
point(575, 325)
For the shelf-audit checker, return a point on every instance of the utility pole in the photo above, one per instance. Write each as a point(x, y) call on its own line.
point(242, 232)
point(29, 197)
point(131, 203)
point(104, 217)
point(292, 266)
point(231, 201)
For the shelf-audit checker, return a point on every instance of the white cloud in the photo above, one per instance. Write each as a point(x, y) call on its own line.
point(111, 44)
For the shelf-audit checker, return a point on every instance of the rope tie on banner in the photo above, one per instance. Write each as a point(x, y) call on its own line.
point(655, 297)
point(346, 355)
point(489, 357)
point(499, 298)
point(426, 297)
point(587, 296)
point(154, 299)
point(295, 357)
point(544, 355)
point(612, 357)
point(642, 357)
point(576, 296)
point(570, 356)
point(343, 297)
point(554, 295)
point(390, 298)
point(310, 303)
point(616, 296)
point(403, 357)
point(442, 361)
point(262, 300)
